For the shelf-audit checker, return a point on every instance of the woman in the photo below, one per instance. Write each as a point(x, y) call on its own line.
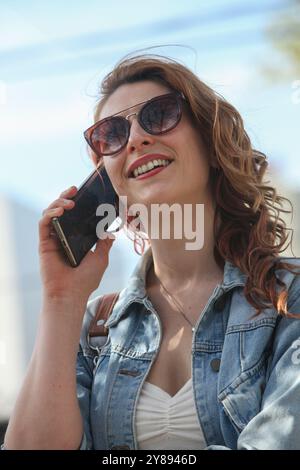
point(202, 351)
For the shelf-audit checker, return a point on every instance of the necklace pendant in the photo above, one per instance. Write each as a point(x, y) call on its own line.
point(193, 328)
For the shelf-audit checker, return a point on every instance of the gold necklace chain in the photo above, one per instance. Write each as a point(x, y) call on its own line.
point(177, 305)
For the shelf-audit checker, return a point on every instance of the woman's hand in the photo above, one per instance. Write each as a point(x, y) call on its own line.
point(60, 280)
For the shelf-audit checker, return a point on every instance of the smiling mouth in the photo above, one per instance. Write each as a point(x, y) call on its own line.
point(152, 169)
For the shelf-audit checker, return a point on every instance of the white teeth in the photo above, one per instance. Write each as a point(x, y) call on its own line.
point(149, 166)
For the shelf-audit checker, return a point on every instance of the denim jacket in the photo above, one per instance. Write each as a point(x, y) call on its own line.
point(245, 369)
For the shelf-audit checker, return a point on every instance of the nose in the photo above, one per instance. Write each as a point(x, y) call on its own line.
point(138, 137)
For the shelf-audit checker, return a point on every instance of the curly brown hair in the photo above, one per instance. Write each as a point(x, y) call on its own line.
point(248, 229)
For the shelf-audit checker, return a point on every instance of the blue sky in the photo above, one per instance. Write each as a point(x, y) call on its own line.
point(53, 55)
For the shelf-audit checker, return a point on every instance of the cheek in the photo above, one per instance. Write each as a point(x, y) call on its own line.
point(111, 167)
point(114, 171)
point(197, 150)
point(189, 147)
point(195, 158)
point(187, 142)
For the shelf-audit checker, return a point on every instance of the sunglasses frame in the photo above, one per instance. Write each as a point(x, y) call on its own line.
point(89, 132)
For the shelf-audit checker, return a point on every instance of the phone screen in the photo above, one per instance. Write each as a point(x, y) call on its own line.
point(76, 228)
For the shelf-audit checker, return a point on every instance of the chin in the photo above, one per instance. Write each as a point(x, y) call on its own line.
point(159, 197)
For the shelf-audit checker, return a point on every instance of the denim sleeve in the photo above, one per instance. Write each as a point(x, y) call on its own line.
point(84, 376)
point(277, 425)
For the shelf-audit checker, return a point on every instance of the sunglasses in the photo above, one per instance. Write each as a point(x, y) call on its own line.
point(158, 116)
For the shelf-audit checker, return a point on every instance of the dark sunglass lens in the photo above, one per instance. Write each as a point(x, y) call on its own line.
point(110, 136)
point(160, 115)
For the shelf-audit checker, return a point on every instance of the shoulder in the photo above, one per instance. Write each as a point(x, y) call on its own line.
point(287, 334)
point(242, 314)
point(292, 283)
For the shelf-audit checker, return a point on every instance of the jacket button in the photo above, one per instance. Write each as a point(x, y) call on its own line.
point(215, 365)
point(120, 448)
point(219, 304)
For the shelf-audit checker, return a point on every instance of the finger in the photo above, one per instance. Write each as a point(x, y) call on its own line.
point(45, 225)
point(100, 254)
point(52, 233)
point(61, 202)
point(68, 192)
point(104, 246)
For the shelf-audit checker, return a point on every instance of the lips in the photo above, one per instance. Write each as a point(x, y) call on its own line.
point(144, 160)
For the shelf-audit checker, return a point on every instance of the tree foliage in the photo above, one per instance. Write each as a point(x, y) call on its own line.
point(284, 34)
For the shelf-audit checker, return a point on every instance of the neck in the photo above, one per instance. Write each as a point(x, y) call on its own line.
point(182, 269)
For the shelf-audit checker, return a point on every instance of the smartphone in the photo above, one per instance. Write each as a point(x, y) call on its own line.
point(77, 228)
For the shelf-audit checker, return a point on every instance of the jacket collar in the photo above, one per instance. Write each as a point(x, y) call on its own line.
point(135, 291)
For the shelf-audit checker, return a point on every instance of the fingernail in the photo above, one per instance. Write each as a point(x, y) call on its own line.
point(66, 202)
point(69, 189)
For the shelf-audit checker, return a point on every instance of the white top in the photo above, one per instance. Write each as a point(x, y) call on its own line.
point(166, 422)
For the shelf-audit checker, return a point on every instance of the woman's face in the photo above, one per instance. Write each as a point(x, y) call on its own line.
point(184, 180)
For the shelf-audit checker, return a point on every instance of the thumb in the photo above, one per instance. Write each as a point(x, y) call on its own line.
point(104, 246)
